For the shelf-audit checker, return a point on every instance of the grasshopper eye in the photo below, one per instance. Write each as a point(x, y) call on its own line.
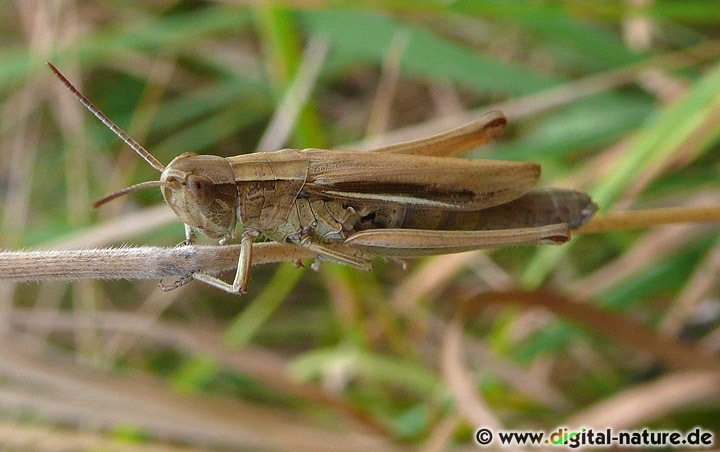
point(201, 190)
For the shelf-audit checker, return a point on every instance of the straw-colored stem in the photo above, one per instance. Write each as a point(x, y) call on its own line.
point(616, 221)
point(135, 262)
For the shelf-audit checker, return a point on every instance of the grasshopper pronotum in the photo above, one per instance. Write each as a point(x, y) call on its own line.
point(404, 200)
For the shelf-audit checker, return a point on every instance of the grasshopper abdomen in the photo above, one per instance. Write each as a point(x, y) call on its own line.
point(536, 208)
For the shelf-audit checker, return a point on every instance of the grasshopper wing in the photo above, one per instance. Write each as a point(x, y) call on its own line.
point(453, 142)
point(416, 180)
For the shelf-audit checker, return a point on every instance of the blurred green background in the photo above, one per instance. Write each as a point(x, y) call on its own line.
point(617, 98)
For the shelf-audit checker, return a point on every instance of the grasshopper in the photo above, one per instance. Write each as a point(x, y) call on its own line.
point(405, 200)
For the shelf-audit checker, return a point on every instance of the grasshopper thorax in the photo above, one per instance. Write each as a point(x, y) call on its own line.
point(201, 190)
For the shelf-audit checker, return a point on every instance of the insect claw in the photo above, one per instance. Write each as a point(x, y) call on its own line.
point(189, 236)
point(298, 263)
point(180, 282)
point(316, 265)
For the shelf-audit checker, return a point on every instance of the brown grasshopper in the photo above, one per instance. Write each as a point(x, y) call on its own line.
point(405, 200)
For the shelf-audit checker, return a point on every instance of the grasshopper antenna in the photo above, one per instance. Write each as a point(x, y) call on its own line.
point(130, 189)
point(118, 131)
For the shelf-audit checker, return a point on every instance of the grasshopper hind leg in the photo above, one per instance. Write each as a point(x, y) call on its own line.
point(419, 242)
point(341, 255)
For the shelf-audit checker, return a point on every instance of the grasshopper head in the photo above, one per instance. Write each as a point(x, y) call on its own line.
point(201, 190)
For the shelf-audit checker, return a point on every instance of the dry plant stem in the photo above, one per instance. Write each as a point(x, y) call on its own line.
point(469, 403)
point(387, 86)
point(135, 263)
point(649, 218)
point(440, 438)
